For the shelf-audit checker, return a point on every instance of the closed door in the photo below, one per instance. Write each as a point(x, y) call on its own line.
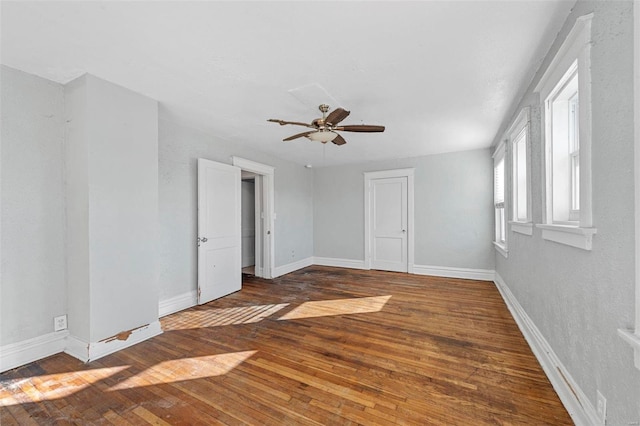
point(219, 244)
point(389, 224)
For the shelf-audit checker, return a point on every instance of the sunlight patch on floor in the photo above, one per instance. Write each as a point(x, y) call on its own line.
point(178, 370)
point(53, 386)
point(219, 317)
point(324, 308)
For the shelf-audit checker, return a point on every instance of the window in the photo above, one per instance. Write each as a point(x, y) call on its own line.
point(565, 90)
point(563, 154)
point(518, 136)
point(500, 240)
point(633, 336)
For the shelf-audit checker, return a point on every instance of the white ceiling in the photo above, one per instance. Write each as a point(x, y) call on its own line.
point(441, 76)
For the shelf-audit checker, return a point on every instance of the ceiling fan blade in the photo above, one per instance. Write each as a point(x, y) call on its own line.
point(299, 135)
point(339, 140)
point(336, 116)
point(296, 123)
point(361, 128)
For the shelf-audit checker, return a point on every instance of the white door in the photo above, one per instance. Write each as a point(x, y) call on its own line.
point(389, 224)
point(219, 245)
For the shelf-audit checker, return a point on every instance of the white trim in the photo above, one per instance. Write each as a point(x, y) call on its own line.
point(570, 235)
point(383, 174)
point(500, 151)
point(252, 166)
point(21, 353)
point(450, 272)
point(177, 303)
point(524, 228)
point(634, 340)
point(339, 263)
point(258, 244)
point(576, 48)
point(268, 205)
point(86, 352)
point(522, 119)
point(636, 112)
point(578, 37)
point(501, 249)
point(520, 124)
point(278, 271)
point(574, 399)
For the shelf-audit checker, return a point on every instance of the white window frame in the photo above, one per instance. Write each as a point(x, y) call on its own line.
point(522, 123)
point(575, 49)
point(633, 336)
point(501, 246)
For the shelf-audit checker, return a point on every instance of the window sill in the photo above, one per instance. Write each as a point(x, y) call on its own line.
point(569, 235)
point(634, 340)
point(524, 228)
point(501, 249)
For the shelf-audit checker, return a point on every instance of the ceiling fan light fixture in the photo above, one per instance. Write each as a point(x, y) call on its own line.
point(323, 136)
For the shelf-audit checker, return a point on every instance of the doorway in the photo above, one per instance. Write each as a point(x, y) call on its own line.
point(248, 222)
point(261, 237)
point(389, 230)
point(219, 237)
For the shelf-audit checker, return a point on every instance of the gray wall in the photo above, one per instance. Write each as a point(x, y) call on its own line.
point(453, 209)
point(578, 299)
point(33, 285)
point(179, 149)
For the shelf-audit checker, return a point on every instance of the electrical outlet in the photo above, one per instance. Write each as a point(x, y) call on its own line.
point(601, 409)
point(60, 323)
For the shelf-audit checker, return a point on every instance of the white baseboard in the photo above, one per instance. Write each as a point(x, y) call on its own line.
point(574, 399)
point(21, 353)
point(437, 271)
point(177, 303)
point(86, 352)
point(339, 263)
point(291, 267)
point(449, 272)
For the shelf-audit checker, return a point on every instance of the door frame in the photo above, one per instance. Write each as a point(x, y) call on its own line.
point(368, 212)
point(265, 240)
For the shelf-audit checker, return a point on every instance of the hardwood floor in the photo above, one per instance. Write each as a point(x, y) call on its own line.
point(320, 346)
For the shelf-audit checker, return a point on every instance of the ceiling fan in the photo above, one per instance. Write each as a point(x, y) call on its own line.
point(325, 128)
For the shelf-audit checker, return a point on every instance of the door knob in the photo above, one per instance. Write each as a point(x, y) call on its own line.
point(203, 239)
point(404, 230)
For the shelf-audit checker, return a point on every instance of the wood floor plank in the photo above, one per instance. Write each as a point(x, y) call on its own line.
point(320, 346)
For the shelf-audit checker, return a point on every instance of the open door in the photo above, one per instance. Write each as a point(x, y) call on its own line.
point(219, 232)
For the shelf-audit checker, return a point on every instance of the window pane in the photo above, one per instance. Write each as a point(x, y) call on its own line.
point(498, 186)
point(574, 133)
point(575, 182)
point(520, 178)
point(501, 225)
point(564, 146)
